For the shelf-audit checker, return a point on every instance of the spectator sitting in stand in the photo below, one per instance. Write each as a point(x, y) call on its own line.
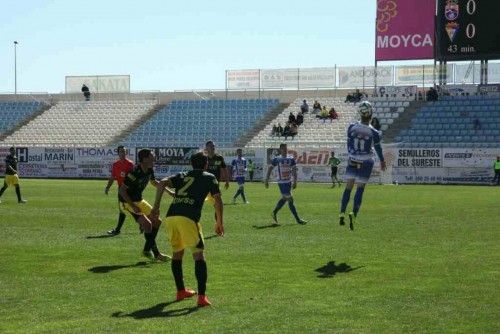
point(300, 119)
point(354, 97)
point(432, 94)
point(332, 114)
point(294, 130)
point(316, 107)
point(274, 131)
point(291, 118)
point(280, 130)
point(323, 114)
point(304, 107)
point(286, 131)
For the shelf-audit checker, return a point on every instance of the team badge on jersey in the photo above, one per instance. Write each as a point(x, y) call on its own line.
point(451, 10)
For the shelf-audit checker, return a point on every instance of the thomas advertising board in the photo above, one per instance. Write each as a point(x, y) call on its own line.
point(96, 162)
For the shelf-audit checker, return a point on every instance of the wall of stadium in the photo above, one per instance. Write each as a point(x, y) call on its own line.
point(415, 165)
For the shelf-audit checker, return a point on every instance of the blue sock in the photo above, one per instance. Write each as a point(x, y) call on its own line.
point(279, 205)
point(358, 197)
point(345, 199)
point(293, 209)
point(243, 195)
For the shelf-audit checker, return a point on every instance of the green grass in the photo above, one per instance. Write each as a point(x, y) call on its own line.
point(423, 259)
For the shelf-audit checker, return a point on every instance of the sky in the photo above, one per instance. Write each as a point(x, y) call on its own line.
point(177, 45)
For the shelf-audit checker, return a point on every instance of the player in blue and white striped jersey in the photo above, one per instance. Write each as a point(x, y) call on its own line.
point(362, 138)
point(287, 180)
point(239, 168)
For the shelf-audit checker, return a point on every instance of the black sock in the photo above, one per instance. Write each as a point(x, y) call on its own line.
point(154, 248)
point(121, 220)
point(18, 193)
point(3, 189)
point(149, 239)
point(200, 270)
point(178, 277)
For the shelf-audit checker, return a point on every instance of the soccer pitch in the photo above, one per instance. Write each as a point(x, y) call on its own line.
point(421, 259)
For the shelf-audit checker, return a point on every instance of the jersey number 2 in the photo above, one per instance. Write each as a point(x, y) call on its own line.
point(188, 181)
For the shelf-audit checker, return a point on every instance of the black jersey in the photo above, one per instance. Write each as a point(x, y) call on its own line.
point(215, 165)
point(136, 180)
point(10, 160)
point(191, 189)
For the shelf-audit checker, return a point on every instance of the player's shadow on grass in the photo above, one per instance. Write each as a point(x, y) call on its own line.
point(261, 227)
point(107, 269)
point(210, 237)
point(102, 236)
point(157, 311)
point(330, 269)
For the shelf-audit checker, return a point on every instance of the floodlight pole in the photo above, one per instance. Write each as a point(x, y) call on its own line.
point(15, 67)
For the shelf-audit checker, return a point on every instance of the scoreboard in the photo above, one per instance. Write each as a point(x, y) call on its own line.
point(468, 30)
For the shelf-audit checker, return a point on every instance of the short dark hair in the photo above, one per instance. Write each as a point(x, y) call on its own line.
point(12, 148)
point(120, 147)
point(144, 153)
point(199, 160)
point(209, 142)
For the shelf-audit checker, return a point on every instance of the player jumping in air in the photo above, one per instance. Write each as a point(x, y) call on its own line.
point(361, 137)
point(239, 167)
point(287, 180)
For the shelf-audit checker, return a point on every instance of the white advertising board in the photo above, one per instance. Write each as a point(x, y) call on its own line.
point(405, 165)
point(99, 83)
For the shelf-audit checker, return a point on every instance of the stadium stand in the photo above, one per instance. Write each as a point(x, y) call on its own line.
point(14, 112)
point(387, 110)
point(449, 122)
point(80, 123)
point(192, 122)
point(313, 132)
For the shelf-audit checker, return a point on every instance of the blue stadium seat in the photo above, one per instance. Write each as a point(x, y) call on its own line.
point(189, 122)
point(12, 113)
point(449, 121)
